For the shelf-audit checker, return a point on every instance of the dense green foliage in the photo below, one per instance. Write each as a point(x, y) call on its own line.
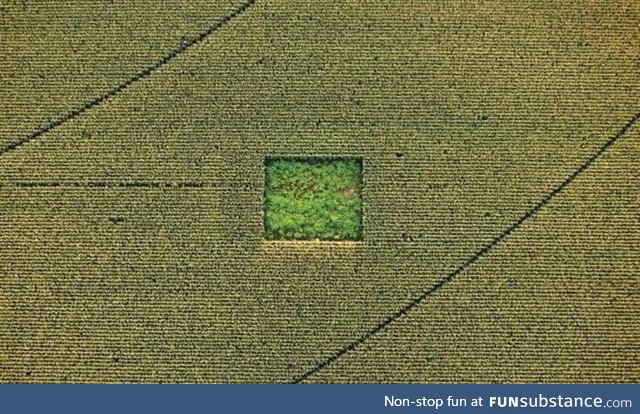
point(313, 199)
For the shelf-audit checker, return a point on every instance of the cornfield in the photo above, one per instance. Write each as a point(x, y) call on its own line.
point(500, 154)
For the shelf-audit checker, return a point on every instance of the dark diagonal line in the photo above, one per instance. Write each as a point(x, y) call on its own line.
point(469, 262)
point(74, 113)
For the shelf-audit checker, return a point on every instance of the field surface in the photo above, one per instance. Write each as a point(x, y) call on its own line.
point(500, 145)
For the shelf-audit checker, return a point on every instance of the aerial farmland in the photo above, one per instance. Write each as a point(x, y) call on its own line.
point(281, 191)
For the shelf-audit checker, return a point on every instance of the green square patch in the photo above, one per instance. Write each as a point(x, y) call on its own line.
point(313, 198)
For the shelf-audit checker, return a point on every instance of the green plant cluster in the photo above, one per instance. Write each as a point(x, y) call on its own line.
point(313, 199)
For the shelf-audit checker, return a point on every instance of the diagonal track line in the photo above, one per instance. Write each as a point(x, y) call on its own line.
point(471, 260)
point(144, 73)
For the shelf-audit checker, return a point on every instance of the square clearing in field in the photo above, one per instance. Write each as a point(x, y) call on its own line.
point(313, 198)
